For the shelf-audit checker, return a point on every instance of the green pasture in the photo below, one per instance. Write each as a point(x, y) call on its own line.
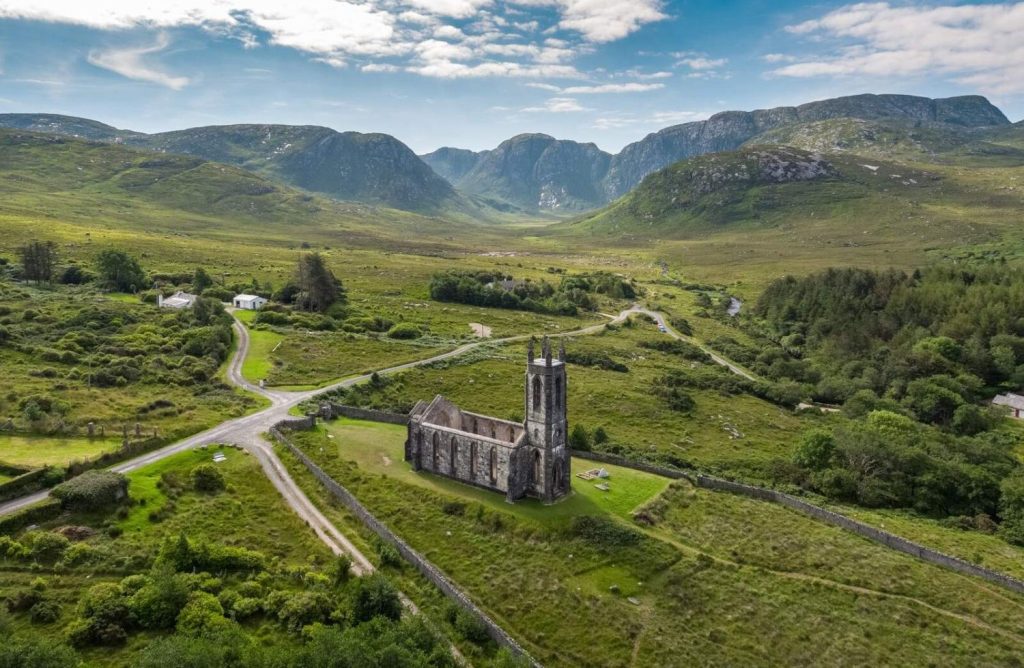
point(708, 579)
point(37, 451)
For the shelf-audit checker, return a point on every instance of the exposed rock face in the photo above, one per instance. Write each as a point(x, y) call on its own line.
point(374, 168)
point(536, 171)
point(452, 164)
point(728, 130)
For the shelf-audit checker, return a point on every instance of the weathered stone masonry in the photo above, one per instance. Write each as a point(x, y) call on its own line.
point(527, 459)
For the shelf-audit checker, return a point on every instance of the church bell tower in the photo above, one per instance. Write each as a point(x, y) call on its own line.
point(546, 422)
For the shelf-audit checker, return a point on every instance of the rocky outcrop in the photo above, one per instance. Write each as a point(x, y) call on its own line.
point(730, 129)
point(536, 171)
point(452, 164)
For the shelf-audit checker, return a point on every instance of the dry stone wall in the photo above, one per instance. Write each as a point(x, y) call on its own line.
point(836, 519)
point(425, 567)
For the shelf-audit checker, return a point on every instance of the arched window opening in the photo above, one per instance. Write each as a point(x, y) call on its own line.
point(494, 465)
point(536, 467)
point(558, 392)
point(435, 445)
point(472, 460)
point(494, 434)
point(452, 449)
point(536, 392)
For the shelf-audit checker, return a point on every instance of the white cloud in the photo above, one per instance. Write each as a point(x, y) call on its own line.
point(702, 63)
point(131, 63)
point(613, 88)
point(778, 58)
point(676, 117)
point(608, 20)
point(379, 67)
point(976, 45)
point(558, 105)
point(448, 38)
point(598, 89)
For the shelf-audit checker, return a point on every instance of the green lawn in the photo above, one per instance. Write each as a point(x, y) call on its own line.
point(378, 448)
point(36, 451)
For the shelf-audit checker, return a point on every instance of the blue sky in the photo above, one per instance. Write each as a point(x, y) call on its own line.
point(471, 73)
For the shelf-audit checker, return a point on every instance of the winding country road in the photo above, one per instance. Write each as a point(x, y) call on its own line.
point(247, 431)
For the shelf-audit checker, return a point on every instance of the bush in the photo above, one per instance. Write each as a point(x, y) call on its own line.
point(303, 609)
point(46, 611)
point(92, 490)
point(470, 627)
point(157, 603)
point(405, 330)
point(35, 652)
point(579, 439)
point(206, 478)
point(604, 531)
point(202, 616)
point(388, 554)
point(47, 547)
point(375, 596)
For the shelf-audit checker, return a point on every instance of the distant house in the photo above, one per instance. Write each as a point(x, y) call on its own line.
point(249, 302)
point(177, 300)
point(1014, 402)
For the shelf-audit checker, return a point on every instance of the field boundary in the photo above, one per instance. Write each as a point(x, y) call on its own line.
point(872, 533)
point(421, 563)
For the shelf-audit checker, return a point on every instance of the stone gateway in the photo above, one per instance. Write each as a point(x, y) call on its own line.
point(527, 459)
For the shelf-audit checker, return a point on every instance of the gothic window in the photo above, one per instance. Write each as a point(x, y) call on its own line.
point(472, 460)
point(493, 434)
point(452, 450)
point(536, 392)
point(536, 467)
point(435, 445)
point(494, 465)
point(558, 392)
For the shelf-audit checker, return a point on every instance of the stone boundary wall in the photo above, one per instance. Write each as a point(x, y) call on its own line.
point(366, 414)
point(425, 567)
point(887, 539)
point(45, 510)
point(25, 483)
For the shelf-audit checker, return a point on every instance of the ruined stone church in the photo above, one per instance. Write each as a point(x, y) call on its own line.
point(517, 459)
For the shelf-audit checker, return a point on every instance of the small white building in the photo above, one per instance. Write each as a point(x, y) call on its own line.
point(1014, 402)
point(177, 300)
point(249, 302)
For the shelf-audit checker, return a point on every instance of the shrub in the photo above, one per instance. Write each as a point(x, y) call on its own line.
point(470, 627)
point(46, 611)
point(103, 614)
point(157, 603)
point(604, 531)
point(202, 615)
point(92, 490)
point(579, 439)
point(206, 478)
point(388, 554)
point(375, 596)
point(303, 609)
point(46, 546)
point(405, 330)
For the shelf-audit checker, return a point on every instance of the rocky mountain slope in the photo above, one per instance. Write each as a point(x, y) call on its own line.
point(859, 120)
point(452, 164)
point(369, 168)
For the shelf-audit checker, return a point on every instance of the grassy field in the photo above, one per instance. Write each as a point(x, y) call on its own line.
point(36, 451)
point(259, 364)
point(724, 433)
point(719, 579)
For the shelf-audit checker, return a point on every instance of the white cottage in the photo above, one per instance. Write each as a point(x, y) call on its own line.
point(249, 302)
point(1014, 402)
point(177, 300)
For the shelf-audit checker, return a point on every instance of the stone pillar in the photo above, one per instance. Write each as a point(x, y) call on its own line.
point(91, 428)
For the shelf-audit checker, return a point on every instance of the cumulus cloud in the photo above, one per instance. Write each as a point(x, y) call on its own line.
point(598, 89)
point(976, 45)
point(558, 105)
point(131, 63)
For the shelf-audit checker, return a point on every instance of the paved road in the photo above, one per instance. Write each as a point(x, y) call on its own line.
point(247, 430)
point(718, 359)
